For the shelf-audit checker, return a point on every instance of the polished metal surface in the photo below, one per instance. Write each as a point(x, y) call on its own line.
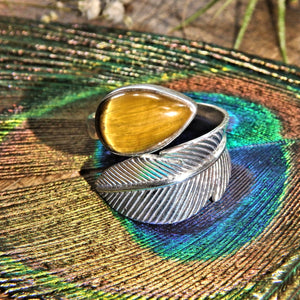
point(174, 184)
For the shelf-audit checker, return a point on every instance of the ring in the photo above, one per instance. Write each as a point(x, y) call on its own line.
point(156, 184)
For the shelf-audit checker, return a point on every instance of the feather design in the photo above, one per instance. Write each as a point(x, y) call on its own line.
point(175, 202)
point(171, 186)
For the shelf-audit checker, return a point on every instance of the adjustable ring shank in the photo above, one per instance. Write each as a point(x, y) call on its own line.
point(174, 184)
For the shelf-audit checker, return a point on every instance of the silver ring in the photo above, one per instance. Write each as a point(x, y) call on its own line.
point(173, 184)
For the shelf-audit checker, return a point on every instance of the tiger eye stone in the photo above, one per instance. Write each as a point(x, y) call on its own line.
point(136, 122)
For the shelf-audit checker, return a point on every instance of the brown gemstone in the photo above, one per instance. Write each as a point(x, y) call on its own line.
point(135, 122)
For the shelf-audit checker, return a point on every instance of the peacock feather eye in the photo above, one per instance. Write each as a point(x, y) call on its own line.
point(142, 118)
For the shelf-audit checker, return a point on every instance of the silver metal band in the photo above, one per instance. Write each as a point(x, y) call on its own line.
point(174, 184)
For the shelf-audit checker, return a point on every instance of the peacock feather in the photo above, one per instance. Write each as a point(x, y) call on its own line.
point(59, 239)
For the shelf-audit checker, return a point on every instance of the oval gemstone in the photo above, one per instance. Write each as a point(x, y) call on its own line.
point(135, 122)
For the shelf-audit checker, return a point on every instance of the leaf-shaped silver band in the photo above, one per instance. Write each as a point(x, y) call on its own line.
point(176, 183)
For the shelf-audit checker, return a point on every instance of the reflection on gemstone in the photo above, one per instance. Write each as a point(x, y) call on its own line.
point(139, 121)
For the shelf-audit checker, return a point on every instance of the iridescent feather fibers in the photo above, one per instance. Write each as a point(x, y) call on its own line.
point(59, 240)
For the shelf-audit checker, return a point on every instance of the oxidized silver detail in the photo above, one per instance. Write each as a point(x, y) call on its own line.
point(176, 183)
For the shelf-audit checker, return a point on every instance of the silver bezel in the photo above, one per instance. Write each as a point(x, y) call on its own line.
point(154, 89)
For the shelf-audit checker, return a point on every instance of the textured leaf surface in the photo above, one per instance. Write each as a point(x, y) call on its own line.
point(172, 202)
